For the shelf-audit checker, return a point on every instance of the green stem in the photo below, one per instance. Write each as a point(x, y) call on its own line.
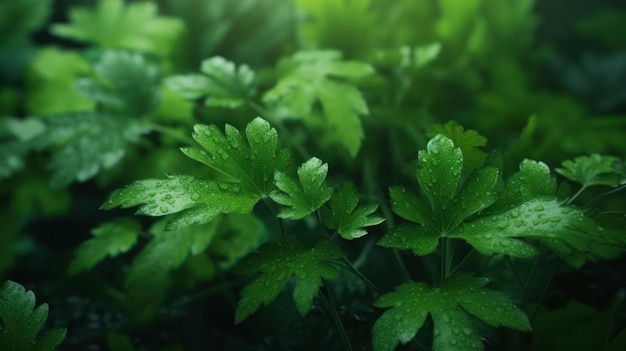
point(553, 270)
point(517, 276)
point(577, 194)
point(331, 307)
point(531, 276)
point(460, 264)
point(358, 273)
point(403, 269)
point(279, 221)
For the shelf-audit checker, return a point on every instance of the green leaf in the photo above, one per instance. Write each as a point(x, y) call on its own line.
point(194, 200)
point(566, 229)
point(224, 84)
point(252, 165)
point(322, 76)
point(449, 307)
point(532, 180)
point(126, 84)
point(591, 170)
point(439, 175)
point(20, 18)
point(469, 141)
point(277, 262)
point(50, 82)
point(112, 24)
point(237, 236)
point(109, 239)
point(21, 322)
point(147, 280)
point(303, 196)
point(346, 216)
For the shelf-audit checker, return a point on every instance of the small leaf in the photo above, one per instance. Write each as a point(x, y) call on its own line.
point(277, 262)
point(305, 196)
point(468, 140)
point(449, 307)
point(223, 84)
point(591, 170)
point(346, 216)
point(531, 181)
point(21, 322)
point(109, 239)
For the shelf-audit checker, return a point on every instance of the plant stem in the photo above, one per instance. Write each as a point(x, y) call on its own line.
point(531, 276)
point(576, 195)
point(553, 270)
point(517, 276)
point(462, 261)
point(331, 307)
point(358, 273)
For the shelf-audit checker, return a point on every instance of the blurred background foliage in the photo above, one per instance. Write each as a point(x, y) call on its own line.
point(86, 109)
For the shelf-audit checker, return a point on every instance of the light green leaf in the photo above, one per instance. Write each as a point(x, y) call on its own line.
point(449, 306)
point(303, 196)
point(310, 77)
point(194, 200)
point(468, 140)
point(277, 262)
point(126, 83)
point(223, 83)
point(112, 24)
point(591, 170)
point(346, 216)
point(564, 228)
point(251, 165)
point(109, 239)
point(21, 322)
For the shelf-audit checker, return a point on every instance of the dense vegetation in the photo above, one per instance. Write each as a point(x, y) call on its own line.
point(190, 175)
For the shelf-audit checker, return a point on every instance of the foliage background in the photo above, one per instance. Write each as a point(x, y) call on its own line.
point(489, 68)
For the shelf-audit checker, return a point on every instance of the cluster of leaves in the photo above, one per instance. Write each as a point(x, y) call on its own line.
point(116, 107)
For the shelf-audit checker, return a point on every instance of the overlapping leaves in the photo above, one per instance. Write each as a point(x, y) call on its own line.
point(277, 263)
point(450, 203)
point(449, 307)
point(246, 168)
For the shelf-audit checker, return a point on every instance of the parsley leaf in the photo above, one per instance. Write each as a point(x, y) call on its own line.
point(252, 166)
point(112, 24)
point(125, 83)
point(307, 196)
point(591, 170)
point(346, 216)
point(21, 322)
point(278, 262)
point(532, 180)
point(109, 239)
point(566, 229)
point(439, 175)
point(449, 307)
point(194, 200)
point(322, 76)
point(225, 85)
point(469, 141)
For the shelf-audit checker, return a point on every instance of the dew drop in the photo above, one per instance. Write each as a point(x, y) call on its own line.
point(163, 209)
point(515, 213)
point(518, 223)
point(503, 225)
point(467, 331)
point(195, 196)
point(539, 208)
point(506, 242)
point(222, 186)
point(566, 210)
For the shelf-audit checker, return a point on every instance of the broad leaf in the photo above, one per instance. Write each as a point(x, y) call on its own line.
point(591, 170)
point(223, 84)
point(449, 306)
point(112, 24)
point(469, 141)
point(532, 180)
point(251, 165)
point(311, 77)
point(346, 216)
point(566, 229)
point(277, 262)
point(109, 239)
point(307, 194)
point(21, 322)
